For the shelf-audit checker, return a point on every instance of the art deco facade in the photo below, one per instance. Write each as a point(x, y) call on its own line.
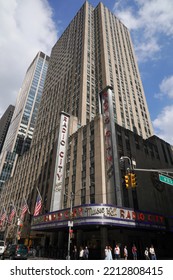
point(94, 51)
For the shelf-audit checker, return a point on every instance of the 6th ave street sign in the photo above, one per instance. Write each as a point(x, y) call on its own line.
point(165, 180)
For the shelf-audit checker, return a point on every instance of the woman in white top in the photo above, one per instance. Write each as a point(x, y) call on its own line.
point(152, 253)
point(108, 253)
point(81, 253)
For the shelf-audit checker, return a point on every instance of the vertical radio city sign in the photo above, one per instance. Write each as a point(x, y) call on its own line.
point(60, 162)
point(111, 149)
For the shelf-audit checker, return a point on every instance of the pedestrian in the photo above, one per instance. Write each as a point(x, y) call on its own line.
point(134, 252)
point(34, 252)
point(81, 253)
point(125, 253)
point(75, 255)
point(108, 253)
point(86, 253)
point(146, 254)
point(152, 253)
point(117, 252)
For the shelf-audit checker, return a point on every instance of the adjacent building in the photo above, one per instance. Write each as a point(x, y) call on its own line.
point(93, 111)
point(4, 124)
point(22, 125)
point(19, 136)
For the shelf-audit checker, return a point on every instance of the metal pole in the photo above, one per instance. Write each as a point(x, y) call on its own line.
point(69, 229)
point(129, 159)
point(18, 227)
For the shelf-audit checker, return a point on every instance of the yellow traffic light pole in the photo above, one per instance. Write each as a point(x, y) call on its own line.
point(130, 177)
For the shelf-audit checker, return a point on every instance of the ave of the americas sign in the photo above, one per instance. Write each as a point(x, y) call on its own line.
point(165, 179)
point(60, 162)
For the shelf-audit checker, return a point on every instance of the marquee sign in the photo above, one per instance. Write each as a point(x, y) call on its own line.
point(99, 214)
point(60, 161)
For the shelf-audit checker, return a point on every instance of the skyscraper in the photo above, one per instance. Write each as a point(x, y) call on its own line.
point(22, 125)
point(21, 129)
point(4, 124)
point(95, 51)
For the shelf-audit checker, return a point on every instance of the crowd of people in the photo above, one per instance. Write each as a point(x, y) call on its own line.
point(83, 253)
point(110, 254)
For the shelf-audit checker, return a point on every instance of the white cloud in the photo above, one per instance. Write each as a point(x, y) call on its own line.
point(26, 27)
point(166, 88)
point(151, 26)
point(163, 124)
point(149, 21)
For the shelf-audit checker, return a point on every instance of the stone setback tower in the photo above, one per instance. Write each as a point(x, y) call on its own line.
point(94, 51)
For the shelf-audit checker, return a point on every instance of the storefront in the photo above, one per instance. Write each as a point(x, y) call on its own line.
point(98, 225)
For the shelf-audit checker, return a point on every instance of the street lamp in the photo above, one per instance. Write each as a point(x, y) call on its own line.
point(70, 222)
point(132, 162)
point(17, 232)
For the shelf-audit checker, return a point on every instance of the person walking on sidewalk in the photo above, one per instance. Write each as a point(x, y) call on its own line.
point(81, 253)
point(86, 253)
point(134, 252)
point(125, 253)
point(117, 252)
point(152, 253)
point(146, 254)
point(108, 253)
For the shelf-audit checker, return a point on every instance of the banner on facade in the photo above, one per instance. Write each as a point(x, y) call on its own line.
point(111, 149)
point(60, 162)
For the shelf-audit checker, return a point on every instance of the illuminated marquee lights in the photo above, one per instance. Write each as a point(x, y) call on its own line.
point(123, 215)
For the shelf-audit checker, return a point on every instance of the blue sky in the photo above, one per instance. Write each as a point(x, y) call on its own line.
point(24, 32)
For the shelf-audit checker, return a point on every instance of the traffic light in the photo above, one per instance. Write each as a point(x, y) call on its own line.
point(133, 181)
point(127, 180)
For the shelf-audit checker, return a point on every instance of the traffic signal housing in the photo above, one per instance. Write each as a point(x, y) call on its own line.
point(71, 233)
point(127, 180)
point(133, 181)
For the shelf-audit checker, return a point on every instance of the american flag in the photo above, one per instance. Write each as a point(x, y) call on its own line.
point(3, 217)
point(38, 206)
point(12, 214)
point(24, 210)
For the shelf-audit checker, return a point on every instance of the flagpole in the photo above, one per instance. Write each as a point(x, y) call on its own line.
point(25, 201)
point(14, 208)
point(18, 223)
point(4, 221)
point(39, 193)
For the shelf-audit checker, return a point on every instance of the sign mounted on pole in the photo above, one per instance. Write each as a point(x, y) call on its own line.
point(165, 179)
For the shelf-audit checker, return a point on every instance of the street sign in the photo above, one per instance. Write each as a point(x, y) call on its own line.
point(70, 223)
point(165, 179)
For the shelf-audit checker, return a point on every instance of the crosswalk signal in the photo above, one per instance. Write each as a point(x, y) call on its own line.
point(127, 181)
point(71, 233)
point(133, 180)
